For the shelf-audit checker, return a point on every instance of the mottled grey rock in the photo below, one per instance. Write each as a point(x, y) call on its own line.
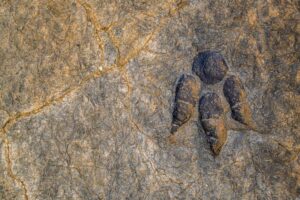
point(87, 90)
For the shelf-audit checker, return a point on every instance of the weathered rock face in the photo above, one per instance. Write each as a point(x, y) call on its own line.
point(86, 94)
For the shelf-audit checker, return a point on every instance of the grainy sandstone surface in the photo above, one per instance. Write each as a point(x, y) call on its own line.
point(87, 92)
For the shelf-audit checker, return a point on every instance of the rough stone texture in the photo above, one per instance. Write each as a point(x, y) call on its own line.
point(86, 93)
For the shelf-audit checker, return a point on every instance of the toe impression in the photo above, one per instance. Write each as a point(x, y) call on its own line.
point(235, 94)
point(186, 97)
point(211, 114)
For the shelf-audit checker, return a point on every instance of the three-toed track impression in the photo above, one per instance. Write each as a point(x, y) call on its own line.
point(211, 68)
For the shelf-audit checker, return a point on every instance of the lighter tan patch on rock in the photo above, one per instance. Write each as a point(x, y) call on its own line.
point(252, 17)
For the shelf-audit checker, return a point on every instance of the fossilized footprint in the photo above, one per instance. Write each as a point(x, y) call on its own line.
point(211, 68)
point(186, 97)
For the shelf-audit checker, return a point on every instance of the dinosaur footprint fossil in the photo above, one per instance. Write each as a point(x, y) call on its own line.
point(186, 97)
point(211, 114)
point(212, 68)
point(235, 94)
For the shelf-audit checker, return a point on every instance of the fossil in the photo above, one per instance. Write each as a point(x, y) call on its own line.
point(234, 92)
point(186, 97)
point(210, 66)
point(212, 120)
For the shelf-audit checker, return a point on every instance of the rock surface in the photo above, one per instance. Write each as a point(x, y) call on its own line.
point(86, 94)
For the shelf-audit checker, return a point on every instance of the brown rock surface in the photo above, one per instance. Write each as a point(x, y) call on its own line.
point(86, 93)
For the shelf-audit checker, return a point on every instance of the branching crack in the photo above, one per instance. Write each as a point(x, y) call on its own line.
point(10, 171)
point(55, 99)
point(12, 120)
point(91, 17)
point(121, 63)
